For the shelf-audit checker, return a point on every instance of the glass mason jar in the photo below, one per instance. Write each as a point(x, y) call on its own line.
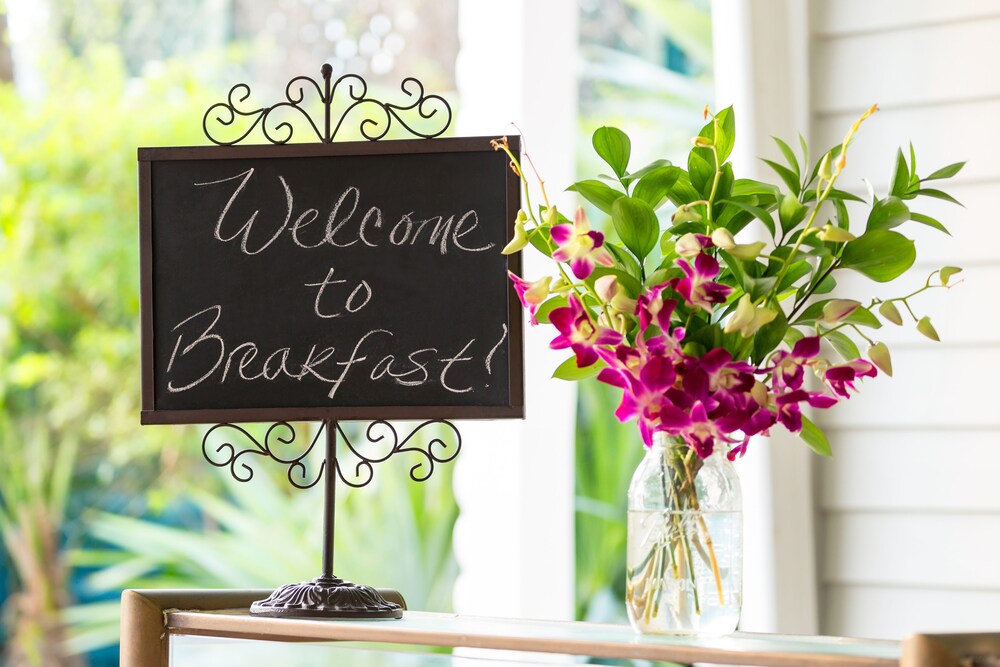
point(684, 561)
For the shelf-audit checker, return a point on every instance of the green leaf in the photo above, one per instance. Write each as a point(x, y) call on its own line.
point(542, 314)
point(805, 150)
point(888, 213)
point(625, 259)
point(539, 238)
point(843, 344)
point(746, 187)
point(656, 186)
point(790, 178)
point(727, 133)
point(826, 285)
point(842, 217)
point(938, 194)
point(597, 193)
point(929, 221)
point(761, 214)
point(636, 225)
point(701, 171)
point(835, 195)
point(614, 147)
point(794, 272)
point(639, 173)
point(790, 213)
point(900, 181)
point(768, 337)
point(880, 254)
point(814, 437)
point(789, 157)
point(568, 370)
point(945, 172)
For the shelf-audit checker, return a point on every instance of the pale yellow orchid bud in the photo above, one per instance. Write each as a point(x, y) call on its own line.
point(889, 311)
point(606, 287)
point(947, 272)
point(685, 213)
point(879, 354)
point(519, 241)
point(742, 316)
point(723, 238)
point(837, 310)
point(688, 246)
point(747, 250)
point(538, 291)
point(759, 393)
point(825, 173)
point(622, 303)
point(747, 319)
point(551, 217)
point(833, 233)
point(925, 327)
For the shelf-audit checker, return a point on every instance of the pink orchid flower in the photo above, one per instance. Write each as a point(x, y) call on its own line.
point(841, 378)
point(790, 412)
point(697, 287)
point(531, 294)
point(787, 366)
point(696, 427)
point(652, 307)
point(580, 246)
point(577, 331)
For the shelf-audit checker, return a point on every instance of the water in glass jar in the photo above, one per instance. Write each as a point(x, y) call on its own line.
point(684, 573)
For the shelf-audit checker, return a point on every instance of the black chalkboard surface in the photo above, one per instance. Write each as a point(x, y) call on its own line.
point(329, 281)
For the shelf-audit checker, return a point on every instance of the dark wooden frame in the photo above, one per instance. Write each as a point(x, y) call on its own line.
point(150, 415)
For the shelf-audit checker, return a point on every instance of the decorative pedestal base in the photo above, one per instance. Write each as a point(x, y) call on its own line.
point(326, 597)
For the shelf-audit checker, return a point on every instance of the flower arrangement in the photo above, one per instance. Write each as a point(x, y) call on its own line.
point(709, 324)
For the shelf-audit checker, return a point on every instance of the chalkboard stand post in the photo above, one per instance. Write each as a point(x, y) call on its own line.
point(327, 596)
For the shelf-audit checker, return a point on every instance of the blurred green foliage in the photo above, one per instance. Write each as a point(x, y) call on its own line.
point(79, 476)
point(69, 327)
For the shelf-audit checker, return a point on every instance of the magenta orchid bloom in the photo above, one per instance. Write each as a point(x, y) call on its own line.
point(697, 287)
point(578, 332)
point(698, 429)
point(787, 366)
point(789, 410)
point(651, 306)
point(531, 294)
point(841, 378)
point(580, 246)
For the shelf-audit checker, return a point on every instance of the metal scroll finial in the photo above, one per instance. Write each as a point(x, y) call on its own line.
point(422, 115)
point(234, 447)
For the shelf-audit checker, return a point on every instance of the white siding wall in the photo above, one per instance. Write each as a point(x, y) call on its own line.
point(909, 508)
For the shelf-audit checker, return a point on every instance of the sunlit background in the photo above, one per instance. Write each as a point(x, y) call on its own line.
point(893, 533)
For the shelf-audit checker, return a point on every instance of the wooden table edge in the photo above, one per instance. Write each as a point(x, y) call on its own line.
point(238, 626)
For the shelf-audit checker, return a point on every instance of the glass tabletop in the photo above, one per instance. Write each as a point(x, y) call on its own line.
point(200, 651)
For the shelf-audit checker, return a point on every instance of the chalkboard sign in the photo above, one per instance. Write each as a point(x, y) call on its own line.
point(329, 281)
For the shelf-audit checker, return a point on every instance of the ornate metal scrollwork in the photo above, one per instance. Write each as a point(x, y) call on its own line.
point(381, 432)
point(222, 452)
point(278, 121)
point(278, 437)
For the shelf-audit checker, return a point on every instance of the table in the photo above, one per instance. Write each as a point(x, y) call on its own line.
point(151, 617)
